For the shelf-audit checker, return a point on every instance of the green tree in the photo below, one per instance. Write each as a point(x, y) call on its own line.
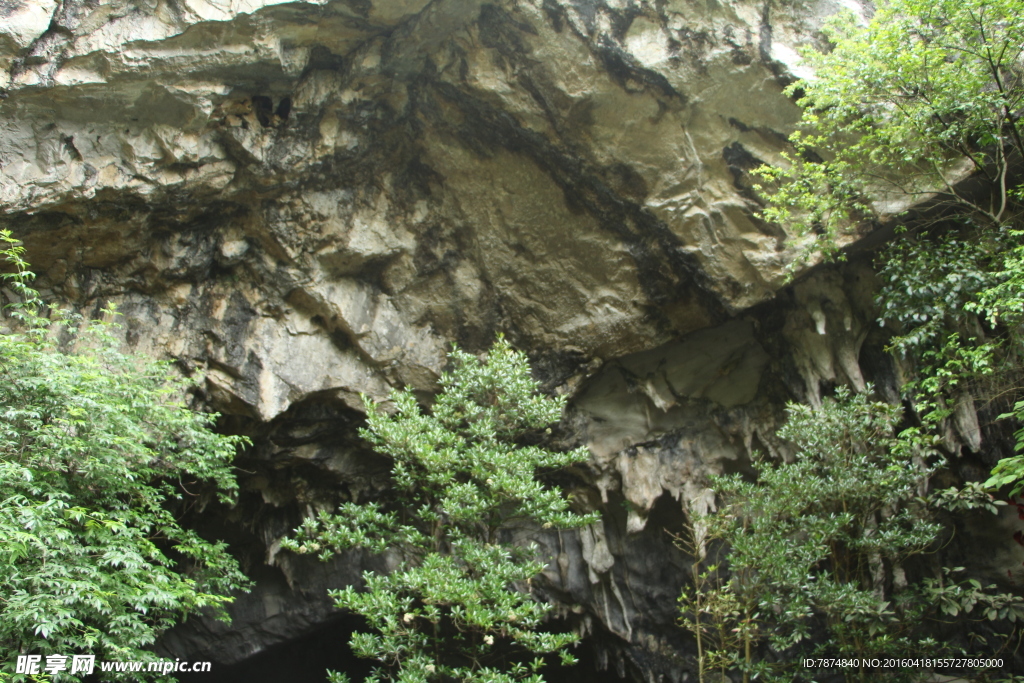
point(921, 106)
point(95, 447)
point(458, 608)
point(819, 553)
point(899, 111)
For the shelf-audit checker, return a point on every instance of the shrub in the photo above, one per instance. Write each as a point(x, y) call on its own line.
point(95, 446)
point(817, 555)
point(459, 605)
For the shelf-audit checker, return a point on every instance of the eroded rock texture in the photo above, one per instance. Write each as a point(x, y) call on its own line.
point(306, 201)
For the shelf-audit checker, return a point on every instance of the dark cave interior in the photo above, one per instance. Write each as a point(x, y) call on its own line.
point(307, 658)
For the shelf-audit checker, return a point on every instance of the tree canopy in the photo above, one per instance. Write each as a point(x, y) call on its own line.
point(900, 110)
point(459, 606)
point(912, 117)
point(832, 555)
point(920, 107)
point(98, 456)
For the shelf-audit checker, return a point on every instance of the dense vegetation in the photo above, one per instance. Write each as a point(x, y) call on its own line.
point(459, 606)
point(834, 553)
point(95, 446)
point(827, 555)
point(922, 105)
point(824, 557)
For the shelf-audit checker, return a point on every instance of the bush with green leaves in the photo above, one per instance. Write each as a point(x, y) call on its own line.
point(458, 607)
point(937, 294)
point(902, 109)
point(815, 558)
point(95, 447)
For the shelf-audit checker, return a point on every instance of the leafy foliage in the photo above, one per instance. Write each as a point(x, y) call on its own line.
point(818, 551)
point(456, 608)
point(903, 108)
point(94, 444)
point(903, 111)
point(917, 107)
point(932, 291)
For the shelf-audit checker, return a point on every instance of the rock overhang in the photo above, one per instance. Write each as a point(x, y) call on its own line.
point(311, 201)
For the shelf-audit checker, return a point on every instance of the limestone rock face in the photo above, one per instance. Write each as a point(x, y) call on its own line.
point(369, 180)
point(306, 201)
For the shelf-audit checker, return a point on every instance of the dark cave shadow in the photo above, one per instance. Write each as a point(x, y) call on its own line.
point(306, 660)
point(302, 660)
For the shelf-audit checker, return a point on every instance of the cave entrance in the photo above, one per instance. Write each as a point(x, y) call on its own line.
point(306, 659)
point(301, 660)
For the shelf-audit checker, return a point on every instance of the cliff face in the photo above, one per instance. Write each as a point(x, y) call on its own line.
point(306, 201)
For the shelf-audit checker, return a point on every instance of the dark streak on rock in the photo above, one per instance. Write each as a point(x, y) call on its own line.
point(665, 270)
point(321, 58)
point(622, 19)
point(68, 141)
point(556, 15)
point(739, 125)
point(624, 70)
point(263, 108)
point(764, 46)
point(284, 108)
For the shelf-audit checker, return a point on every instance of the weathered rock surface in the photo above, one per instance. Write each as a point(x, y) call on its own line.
point(357, 184)
point(310, 200)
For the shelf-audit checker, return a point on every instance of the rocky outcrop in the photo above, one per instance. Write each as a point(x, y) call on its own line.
point(313, 200)
point(362, 183)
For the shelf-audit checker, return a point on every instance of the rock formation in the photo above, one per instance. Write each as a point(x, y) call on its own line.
point(305, 201)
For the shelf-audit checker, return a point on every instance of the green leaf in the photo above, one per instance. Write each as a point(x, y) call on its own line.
point(93, 447)
point(458, 607)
